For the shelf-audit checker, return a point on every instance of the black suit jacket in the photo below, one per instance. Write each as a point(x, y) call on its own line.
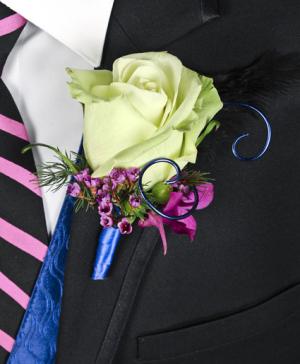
point(233, 295)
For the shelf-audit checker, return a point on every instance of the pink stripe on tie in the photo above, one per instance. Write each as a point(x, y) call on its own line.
point(22, 240)
point(11, 23)
point(13, 127)
point(6, 341)
point(21, 175)
point(12, 290)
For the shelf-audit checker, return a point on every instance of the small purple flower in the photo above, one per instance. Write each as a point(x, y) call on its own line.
point(106, 187)
point(113, 184)
point(124, 226)
point(104, 200)
point(118, 175)
point(184, 189)
point(82, 175)
point(92, 182)
point(73, 189)
point(133, 174)
point(105, 208)
point(106, 221)
point(103, 196)
point(175, 185)
point(135, 201)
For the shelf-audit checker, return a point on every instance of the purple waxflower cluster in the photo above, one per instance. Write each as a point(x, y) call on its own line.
point(85, 177)
point(105, 206)
point(118, 179)
point(104, 192)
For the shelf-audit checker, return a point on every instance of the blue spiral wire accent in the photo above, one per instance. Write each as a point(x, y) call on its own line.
point(173, 180)
point(246, 135)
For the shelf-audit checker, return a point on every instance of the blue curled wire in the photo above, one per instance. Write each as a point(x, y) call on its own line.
point(246, 135)
point(173, 180)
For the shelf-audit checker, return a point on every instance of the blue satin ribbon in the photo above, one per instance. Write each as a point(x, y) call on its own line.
point(107, 245)
point(37, 336)
point(109, 237)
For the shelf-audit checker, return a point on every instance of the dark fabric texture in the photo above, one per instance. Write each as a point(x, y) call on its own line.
point(231, 296)
point(161, 22)
point(18, 206)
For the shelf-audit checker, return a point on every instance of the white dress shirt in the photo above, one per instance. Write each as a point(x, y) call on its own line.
point(59, 34)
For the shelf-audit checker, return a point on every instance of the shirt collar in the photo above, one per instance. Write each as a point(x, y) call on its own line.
point(79, 24)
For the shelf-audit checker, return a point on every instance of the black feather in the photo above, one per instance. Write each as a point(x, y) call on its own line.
point(271, 75)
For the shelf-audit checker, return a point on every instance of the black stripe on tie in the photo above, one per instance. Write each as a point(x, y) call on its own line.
point(22, 208)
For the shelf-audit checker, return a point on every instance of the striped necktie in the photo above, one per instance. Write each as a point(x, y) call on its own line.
point(23, 234)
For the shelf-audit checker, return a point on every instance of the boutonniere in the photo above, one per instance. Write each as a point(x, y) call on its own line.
point(143, 124)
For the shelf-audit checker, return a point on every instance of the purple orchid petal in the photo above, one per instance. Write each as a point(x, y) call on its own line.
point(178, 204)
point(175, 207)
point(187, 226)
point(156, 221)
point(175, 200)
point(205, 193)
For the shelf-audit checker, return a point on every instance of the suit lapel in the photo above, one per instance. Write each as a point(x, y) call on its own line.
point(89, 305)
point(138, 26)
point(95, 313)
point(153, 24)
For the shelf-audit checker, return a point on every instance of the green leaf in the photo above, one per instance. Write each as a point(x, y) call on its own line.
point(63, 157)
point(213, 124)
point(56, 174)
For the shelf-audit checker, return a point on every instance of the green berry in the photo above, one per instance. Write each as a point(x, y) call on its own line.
point(161, 192)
